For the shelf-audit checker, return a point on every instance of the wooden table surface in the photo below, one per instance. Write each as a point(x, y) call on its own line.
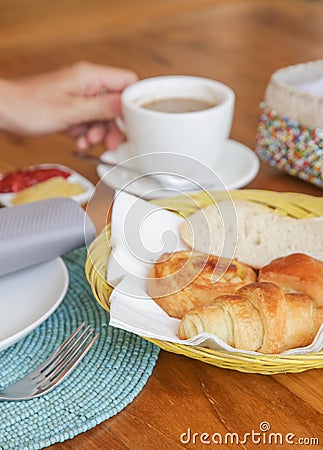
point(239, 42)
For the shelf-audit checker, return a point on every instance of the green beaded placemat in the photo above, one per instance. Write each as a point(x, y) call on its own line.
point(110, 376)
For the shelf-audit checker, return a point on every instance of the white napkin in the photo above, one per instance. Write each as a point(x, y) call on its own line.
point(36, 232)
point(140, 233)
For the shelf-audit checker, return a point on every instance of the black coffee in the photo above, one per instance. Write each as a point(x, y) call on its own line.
point(178, 105)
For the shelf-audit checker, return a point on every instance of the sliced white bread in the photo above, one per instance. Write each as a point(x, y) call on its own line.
point(251, 233)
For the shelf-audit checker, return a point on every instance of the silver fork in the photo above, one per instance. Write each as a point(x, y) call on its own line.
point(53, 371)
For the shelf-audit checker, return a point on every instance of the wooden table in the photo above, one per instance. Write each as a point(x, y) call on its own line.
point(241, 43)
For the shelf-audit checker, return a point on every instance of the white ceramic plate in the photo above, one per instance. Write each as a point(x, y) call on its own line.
point(28, 297)
point(238, 167)
point(6, 199)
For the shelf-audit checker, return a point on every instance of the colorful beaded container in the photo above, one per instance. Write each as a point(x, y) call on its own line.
point(290, 131)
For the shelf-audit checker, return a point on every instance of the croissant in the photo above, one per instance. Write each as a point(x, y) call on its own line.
point(296, 273)
point(184, 280)
point(260, 317)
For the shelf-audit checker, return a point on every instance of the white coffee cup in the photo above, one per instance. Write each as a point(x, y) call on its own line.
point(199, 135)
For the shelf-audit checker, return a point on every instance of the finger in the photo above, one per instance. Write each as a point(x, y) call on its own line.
point(96, 133)
point(82, 143)
point(92, 109)
point(93, 78)
point(77, 131)
point(114, 137)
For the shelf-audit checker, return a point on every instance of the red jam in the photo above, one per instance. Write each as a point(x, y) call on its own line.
point(24, 178)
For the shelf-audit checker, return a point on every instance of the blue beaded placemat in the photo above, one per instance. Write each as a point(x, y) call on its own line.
point(110, 376)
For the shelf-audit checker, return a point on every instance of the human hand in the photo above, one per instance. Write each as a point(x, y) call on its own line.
point(82, 99)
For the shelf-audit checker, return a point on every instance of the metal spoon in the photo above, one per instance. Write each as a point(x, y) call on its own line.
point(97, 160)
point(165, 180)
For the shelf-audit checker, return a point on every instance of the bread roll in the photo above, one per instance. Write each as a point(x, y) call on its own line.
point(260, 317)
point(255, 235)
point(184, 280)
point(296, 273)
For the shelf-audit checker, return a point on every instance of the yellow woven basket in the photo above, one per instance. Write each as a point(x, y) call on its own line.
point(294, 205)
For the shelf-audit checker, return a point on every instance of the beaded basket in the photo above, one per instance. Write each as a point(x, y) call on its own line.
point(294, 205)
point(290, 131)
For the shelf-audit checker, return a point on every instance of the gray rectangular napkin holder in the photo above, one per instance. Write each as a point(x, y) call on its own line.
point(36, 232)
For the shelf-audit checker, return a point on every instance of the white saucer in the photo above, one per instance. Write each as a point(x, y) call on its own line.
point(28, 297)
point(238, 167)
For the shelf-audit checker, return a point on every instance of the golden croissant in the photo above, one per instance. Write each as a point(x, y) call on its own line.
point(260, 317)
point(296, 273)
point(184, 280)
